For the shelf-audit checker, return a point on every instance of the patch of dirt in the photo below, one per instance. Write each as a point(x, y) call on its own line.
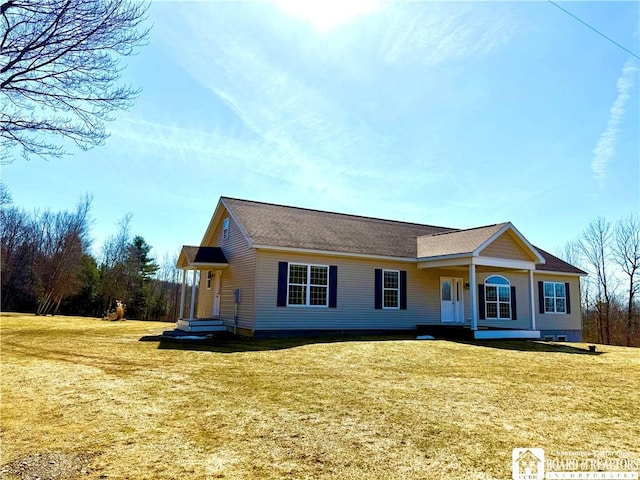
point(48, 466)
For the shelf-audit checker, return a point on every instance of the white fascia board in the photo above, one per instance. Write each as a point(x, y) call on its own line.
point(505, 227)
point(563, 274)
point(503, 263)
point(334, 254)
point(458, 260)
point(201, 266)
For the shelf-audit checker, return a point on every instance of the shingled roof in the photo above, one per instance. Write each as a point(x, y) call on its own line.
point(281, 226)
point(272, 225)
point(458, 242)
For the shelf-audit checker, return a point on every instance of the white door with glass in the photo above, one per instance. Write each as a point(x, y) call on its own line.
point(216, 293)
point(451, 300)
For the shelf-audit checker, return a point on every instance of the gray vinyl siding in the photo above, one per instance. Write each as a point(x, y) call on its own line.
point(355, 296)
point(559, 321)
point(523, 306)
point(239, 274)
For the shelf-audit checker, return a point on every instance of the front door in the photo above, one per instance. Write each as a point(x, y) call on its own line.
point(216, 293)
point(451, 300)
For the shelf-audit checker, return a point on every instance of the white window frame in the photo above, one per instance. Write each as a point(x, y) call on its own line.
point(307, 285)
point(549, 338)
point(225, 228)
point(497, 301)
point(397, 290)
point(555, 297)
point(562, 338)
point(209, 278)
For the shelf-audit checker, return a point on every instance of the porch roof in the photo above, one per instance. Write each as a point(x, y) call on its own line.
point(201, 257)
point(465, 246)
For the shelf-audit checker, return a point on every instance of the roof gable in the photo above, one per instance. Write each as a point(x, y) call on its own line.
point(201, 256)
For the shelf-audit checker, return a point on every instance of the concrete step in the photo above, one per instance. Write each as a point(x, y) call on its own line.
point(202, 328)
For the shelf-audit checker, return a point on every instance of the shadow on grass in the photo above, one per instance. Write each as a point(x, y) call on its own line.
point(529, 346)
point(230, 344)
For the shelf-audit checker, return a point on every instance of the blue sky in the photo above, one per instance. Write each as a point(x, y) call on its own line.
point(454, 114)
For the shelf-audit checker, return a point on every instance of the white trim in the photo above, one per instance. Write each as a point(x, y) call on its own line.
point(202, 266)
point(333, 253)
point(463, 260)
point(474, 299)
point(183, 293)
point(308, 286)
point(226, 224)
point(545, 296)
point(193, 295)
point(396, 289)
point(497, 301)
point(503, 263)
point(563, 274)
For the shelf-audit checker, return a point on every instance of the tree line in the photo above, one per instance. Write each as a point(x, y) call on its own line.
point(610, 253)
point(48, 266)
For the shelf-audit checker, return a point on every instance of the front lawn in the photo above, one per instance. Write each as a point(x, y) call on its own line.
point(92, 393)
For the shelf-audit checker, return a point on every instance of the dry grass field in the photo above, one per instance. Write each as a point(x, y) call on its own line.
point(83, 398)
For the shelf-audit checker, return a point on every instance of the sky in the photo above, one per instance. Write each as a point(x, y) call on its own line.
point(457, 114)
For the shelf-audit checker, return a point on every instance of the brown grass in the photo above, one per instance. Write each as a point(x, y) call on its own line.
point(363, 408)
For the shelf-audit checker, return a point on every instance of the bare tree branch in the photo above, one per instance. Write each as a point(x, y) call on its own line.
point(59, 68)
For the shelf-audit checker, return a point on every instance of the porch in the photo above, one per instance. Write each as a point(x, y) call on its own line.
point(193, 261)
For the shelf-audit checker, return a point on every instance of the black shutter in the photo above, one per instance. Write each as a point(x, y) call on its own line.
point(514, 309)
point(378, 289)
point(568, 301)
point(481, 315)
point(541, 297)
point(333, 286)
point(403, 289)
point(283, 268)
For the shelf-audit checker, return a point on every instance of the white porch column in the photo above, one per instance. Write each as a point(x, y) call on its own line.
point(473, 294)
point(183, 293)
point(531, 301)
point(193, 294)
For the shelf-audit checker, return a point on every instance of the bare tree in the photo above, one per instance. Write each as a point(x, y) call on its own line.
point(17, 249)
point(595, 244)
point(59, 65)
point(626, 253)
point(62, 238)
point(113, 267)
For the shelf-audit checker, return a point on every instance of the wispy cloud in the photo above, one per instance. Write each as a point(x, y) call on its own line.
point(605, 148)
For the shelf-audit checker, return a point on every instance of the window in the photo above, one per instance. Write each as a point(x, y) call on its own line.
point(225, 228)
point(308, 285)
point(209, 277)
point(497, 298)
point(390, 289)
point(555, 297)
point(562, 338)
point(549, 338)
